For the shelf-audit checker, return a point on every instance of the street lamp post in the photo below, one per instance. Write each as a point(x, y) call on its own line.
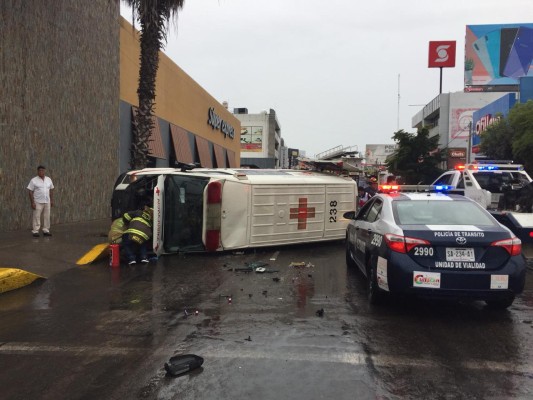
point(469, 149)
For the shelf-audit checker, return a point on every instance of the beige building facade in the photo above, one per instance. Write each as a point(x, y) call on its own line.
point(191, 127)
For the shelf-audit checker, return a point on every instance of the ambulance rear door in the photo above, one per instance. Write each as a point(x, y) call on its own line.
point(235, 214)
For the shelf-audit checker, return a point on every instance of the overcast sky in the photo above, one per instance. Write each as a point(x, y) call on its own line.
point(328, 68)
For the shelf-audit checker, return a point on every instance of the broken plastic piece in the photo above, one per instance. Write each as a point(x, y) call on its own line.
point(179, 365)
point(297, 264)
point(257, 264)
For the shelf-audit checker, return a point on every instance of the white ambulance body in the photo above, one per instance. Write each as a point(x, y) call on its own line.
point(228, 209)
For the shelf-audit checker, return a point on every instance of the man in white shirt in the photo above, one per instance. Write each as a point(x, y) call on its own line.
point(40, 191)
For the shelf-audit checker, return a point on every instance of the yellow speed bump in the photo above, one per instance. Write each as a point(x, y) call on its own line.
point(95, 253)
point(13, 278)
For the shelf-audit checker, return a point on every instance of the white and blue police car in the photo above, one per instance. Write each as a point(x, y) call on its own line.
point(436, 245)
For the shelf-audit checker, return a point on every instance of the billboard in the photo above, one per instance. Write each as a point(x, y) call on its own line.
point(377, 153)
point(252, 138)
point(497, 55)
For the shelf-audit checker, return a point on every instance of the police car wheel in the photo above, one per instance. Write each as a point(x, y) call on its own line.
point(349, 260)
point(500, 304)
point(375, 294)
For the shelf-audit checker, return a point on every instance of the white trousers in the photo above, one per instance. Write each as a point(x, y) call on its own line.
point(44, 209)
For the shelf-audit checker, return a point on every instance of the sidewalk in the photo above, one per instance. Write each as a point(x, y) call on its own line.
point(46, 256)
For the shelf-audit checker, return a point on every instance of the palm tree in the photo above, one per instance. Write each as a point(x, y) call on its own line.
point(154, 17)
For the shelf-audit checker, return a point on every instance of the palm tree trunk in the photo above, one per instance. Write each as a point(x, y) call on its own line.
point(153, 16)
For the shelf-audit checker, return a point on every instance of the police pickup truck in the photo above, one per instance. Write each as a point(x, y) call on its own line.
point(503, 188)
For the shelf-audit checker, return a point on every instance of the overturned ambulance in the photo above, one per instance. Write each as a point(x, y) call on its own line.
point(227, 209)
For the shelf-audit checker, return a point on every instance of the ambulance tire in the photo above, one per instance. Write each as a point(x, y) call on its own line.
point(376, 295)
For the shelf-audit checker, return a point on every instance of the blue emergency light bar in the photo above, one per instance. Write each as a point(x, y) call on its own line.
point(490, 167)
point(442, 188)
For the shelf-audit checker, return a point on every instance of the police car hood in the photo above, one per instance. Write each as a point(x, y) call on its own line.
point(447, 241)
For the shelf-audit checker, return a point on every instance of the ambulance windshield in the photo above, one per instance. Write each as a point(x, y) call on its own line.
point(183, 213)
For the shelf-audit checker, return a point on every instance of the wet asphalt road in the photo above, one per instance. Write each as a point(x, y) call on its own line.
point(94, 332)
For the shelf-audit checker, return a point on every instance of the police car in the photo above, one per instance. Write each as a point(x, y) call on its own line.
point(437, 245)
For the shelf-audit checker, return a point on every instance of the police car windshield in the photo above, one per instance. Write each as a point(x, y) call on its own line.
point(440, 212)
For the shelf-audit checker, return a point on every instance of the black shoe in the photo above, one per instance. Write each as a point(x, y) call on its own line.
point(36, 235)
point(47, 234)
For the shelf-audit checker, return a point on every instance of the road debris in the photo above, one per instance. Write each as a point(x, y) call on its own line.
point(301, 264)
point(186, 313)
point(179, 365)
point(256, 266)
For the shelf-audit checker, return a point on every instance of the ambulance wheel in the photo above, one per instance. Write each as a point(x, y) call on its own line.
point(349, 260)
point(500, 304)
point(375, 294)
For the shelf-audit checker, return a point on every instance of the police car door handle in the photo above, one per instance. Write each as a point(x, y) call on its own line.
point(369, 230)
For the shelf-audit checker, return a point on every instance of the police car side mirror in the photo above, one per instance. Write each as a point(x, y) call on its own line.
point(349, 215)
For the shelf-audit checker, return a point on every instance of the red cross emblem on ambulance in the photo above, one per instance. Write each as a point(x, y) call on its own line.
point(302, 213)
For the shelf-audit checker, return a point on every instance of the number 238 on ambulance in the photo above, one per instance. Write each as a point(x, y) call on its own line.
point(228, 209)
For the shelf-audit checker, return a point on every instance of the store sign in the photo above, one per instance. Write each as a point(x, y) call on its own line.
point(457, 153)
point(484, 122)
point(441, 54)
point(216, 122)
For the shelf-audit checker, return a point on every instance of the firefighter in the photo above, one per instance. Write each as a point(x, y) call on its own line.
point(137, 237)
point(369, 191)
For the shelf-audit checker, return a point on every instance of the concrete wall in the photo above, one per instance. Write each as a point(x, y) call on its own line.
point(59, 107)
point(461, 108)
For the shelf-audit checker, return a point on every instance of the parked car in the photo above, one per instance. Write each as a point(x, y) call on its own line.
point(436, 245)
